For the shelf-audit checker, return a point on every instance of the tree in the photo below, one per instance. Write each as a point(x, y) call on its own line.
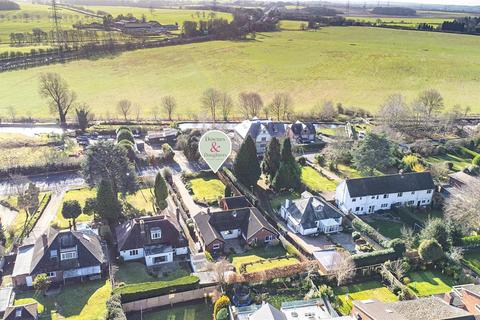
point(281, 105)
point(107, 204)
point(430, 250)
point(155, 111)
point(169, 104)
point(12, 112)
point(343, 267)
point(327, 111)
point(42, 282)
point(250, 103)
point(246, 165)
point(219, 269)
point(339, 151)
point(438, 230)
point(3, 237)
point(54, 88)
point(71, 210)
point(394, 111)
point(90, 206)
point(108, 161)
point(83, 116)
point(226, 105)
point(28, 201)
point(211, 99)
point(398, 267)
point(463, 206)
point(431, 100)
point(374, 152)
point(161, 192)
point(271, 160)
point(288, 175)
point(124, 107)
point(190, 148)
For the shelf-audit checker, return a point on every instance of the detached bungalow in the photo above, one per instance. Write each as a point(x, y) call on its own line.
point(311, 215)
point(154, 239)
point(371, 194)
point(62, 255)
point(248, 224)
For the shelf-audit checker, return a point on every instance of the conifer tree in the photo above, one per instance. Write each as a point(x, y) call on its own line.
point(246, 165)
point(161, 192)
point(271, 161)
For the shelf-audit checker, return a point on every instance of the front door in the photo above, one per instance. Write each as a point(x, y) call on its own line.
point(418, 204)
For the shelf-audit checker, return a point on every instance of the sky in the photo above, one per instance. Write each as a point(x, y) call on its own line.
point(438, 2)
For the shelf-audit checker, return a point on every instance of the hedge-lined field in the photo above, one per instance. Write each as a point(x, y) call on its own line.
point(357, 66)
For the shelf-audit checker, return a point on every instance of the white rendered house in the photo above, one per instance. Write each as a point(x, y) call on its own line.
point(371, 194)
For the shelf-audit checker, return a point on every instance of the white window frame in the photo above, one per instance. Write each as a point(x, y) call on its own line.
point(52, 274)
point(69, 255)
point(156, 234)
point(268, 238)
point(133, 252)
point(216, 246)
point(429, 191)
point(400, 194)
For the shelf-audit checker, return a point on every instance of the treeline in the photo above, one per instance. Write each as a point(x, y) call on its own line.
point(40, 37)
point(394, 11)
point(8, 5)
point(465, 24)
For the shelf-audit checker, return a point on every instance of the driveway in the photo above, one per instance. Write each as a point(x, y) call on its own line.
point(48, 214)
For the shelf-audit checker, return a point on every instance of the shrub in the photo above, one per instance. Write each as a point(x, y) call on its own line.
point(476, 160)
point(320, 159)
point(397, 245)
point(221, 303)
point(406, 280)
point(375, 257)
point(356, 235)
point(368, 231)
point(125, 135)
point(208, 256)
point(222, 314)
point(302, 161)
point(114, 308)
point(471, 241)
point(430, 250)
point(132, 292)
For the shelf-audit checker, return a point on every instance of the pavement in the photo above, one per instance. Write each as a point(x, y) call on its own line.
point(48, 214)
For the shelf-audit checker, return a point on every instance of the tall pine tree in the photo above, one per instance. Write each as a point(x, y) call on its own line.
point(246, 165)
point(107, 206)
point(271, 161)
point(288, 175)
point(161, 192)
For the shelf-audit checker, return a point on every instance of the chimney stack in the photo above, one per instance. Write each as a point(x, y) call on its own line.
point(142, 226)
point(45, 241)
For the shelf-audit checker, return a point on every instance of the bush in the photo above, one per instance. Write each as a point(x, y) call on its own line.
point(138, 291)
point(208, 256)
point(375, 257)
point(368, 231)
point(356, 235)
point(397, 245)
point(221, 303)
point(476, 160)
point(471, 241)
point(430, 250)
point(222, 314)
point(125, 135)
point(302, 161)
point(114, 308)
point(320, 159)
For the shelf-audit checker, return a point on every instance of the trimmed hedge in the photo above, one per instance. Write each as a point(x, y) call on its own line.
point(138, 291)
point(367, 230)
point(471, 241)
point(375, 257)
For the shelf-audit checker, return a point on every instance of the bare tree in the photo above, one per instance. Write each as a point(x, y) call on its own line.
point(210, 101)
point(327, 111)
point(397, 267)
point(226, 104)
point(251, 104)
point(169, 104)
point(124, 107)
point(463, 206)
point(12, 112)
point(408, 236)
point(54, 88)
point(432, 101)
point(394, 111)
point(219, 269)
point(155, 111)
point(137, 110)
point(343, 267)
point(281, 105)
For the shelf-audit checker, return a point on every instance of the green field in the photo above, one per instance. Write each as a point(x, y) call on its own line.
point(362, 291)
point(357, 66)
point(403, 21)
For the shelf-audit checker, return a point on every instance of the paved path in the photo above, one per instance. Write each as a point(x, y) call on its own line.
point(48, 214)
point(193, 208)
point(7, 216)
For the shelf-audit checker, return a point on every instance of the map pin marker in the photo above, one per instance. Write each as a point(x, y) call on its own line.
point(215, 147)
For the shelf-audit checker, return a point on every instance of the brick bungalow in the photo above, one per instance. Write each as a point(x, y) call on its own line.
point(246, 224)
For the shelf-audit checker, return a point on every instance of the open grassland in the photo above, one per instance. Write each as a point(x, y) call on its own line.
point(75, 302)
point(357, 66)
point(405, 21)
point(362, 291)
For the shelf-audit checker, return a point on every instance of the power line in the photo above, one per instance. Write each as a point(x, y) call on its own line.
point(56, 18)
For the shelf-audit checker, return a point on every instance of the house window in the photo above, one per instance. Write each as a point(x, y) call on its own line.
point(384, 205)
point(268, 238)
point(354, 199)
point(413, 192)
point(18, 313)
point(373, 197)
point(51, 274)
point(385, 196)
point(216, 246)
point(133, 252)
point(423, 201)
point(68, 255)
point(53, 254)
point(160, 259)
point(357, 208)
point(429, 191)
point(400, 194)
point(156, 234)
point(410, 202)
point(264, 139)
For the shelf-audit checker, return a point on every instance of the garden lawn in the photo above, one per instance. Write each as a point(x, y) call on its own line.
point(315, 181)
point(357, 66)
point(389, 229)
point(424, 215)
point(207, 189)
point(135, 272)
point(142, 199)
point(459, 162)
point(472, 259)
point(81, 195)
point(75, 302)
point(279, 198)
point(190, 311)
point(426, 283)
point(258, 254)
point(362, 291)
point(348, 171)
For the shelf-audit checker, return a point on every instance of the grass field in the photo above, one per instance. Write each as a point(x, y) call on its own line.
point(75, 302)
point(426, 283)
point(362, 291)
point(315, 181)
point(190, 311)
point(354, 65)
point(389, 229)
point(403, 21)
point(459, 162)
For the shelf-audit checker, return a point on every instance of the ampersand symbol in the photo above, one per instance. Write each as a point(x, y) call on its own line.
point(215, 147)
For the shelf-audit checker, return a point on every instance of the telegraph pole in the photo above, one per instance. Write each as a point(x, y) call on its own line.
point(56, 18)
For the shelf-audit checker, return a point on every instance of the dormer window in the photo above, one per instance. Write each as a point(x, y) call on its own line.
point(68, 255)
point(156, 234)
point(18, 313)
point(53, 254)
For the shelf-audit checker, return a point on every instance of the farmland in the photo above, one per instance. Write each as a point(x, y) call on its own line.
point(357, 66)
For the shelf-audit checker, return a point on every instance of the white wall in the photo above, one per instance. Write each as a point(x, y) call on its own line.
point(126, 255)
point(180, 251)
point(261, 145)
point(346, 203)
point(235, 233)
point(149, 260)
